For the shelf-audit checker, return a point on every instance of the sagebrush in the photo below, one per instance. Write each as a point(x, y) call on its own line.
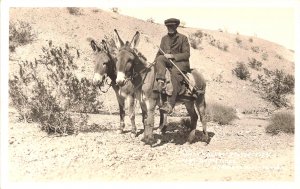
point(20, 33)
point(241, 71)
point(281, 122)
point(47, 91)
point(220, 114)
point(275, 85)
point(74, 10)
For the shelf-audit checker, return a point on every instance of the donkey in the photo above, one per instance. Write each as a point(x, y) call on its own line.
point(105, 66)
point(132, 66)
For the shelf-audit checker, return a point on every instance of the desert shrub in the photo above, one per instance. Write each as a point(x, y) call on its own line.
point(275, 85)
point(250, 40)
point(115, 10)
point(241, 71)
point(281, 122)
point(196, 39)
point(151, 20)
point(255, 49)
point(238, 40)
point(74, 11)
point(20, 33)
point(255, 64)
point(47, 91)
point(265, 56)
point(225, 48)
point(221, 114)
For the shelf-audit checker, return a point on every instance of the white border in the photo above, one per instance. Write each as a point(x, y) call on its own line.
point(5, 4)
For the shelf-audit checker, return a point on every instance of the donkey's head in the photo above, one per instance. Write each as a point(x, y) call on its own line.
point(104, 63)
point(126, 57)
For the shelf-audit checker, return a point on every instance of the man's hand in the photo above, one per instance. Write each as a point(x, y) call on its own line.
point(169, 56)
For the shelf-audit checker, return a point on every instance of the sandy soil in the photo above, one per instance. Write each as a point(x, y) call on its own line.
point(241, 151)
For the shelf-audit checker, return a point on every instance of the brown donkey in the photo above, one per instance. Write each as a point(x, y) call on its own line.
point(132, 66)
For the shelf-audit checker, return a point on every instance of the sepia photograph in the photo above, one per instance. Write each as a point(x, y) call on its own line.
point(148, 92)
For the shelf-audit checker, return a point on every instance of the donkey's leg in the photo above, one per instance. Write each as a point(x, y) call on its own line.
point(131, 105)
point(201, 107)
point(162, 122)
point(144, 113)
point(194, 117)
point(148, 132)
point(121, 102)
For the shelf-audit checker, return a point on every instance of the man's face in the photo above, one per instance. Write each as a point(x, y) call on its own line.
point(171, 28)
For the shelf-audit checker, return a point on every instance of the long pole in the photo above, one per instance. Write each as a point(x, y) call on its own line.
point(184, 76)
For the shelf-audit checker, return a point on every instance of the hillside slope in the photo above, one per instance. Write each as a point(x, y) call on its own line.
point(58, 25)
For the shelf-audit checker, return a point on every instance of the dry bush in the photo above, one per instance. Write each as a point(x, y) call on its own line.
point(115, 10)
point(20, 33)
point(265, 56)
point(221, 114)
point(238, 40)
point(74, 11)
point(255, 49)
point(254, 64)
point(281, 122)
point(151, 20)
point(47, 91)
point(275, 85)
point(241, 71)
point(196, 39)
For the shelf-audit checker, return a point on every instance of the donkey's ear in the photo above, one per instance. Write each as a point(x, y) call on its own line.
point(135, 40)
point(105, 45)
point(118, 41)
point(94, 46)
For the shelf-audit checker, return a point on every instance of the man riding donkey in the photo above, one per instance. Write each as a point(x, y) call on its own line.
point(174, 54)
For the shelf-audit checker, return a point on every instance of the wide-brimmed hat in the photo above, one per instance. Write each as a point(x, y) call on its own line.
point(172, 21)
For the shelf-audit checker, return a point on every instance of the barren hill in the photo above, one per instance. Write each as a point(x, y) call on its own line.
point(58, 25)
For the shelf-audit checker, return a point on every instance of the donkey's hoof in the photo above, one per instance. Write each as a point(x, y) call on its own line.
point(119, 131)
point(149, 140)
point(192, 136)
point(133, 134)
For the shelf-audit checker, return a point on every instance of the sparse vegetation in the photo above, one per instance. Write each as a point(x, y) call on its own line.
point(238, 40)
point(241, 71)
point(220, 114)
point(250, 40)
point(151, 20)
point(265, 56)
point(274, 85)
point(255, 49)
point(196, 39)
point(255, 64)
point(47, 91)
point(115, 10)
point(20, 33)
point(74, 11)
point(281, 122)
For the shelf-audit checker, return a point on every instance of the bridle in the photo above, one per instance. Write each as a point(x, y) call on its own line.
point(135, 74)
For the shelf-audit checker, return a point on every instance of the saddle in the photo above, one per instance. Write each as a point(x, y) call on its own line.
point(186, 89)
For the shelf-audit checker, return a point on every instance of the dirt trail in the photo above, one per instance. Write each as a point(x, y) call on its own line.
point(238, 152)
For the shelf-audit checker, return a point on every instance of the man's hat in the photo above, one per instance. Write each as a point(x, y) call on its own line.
point(172, 21)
